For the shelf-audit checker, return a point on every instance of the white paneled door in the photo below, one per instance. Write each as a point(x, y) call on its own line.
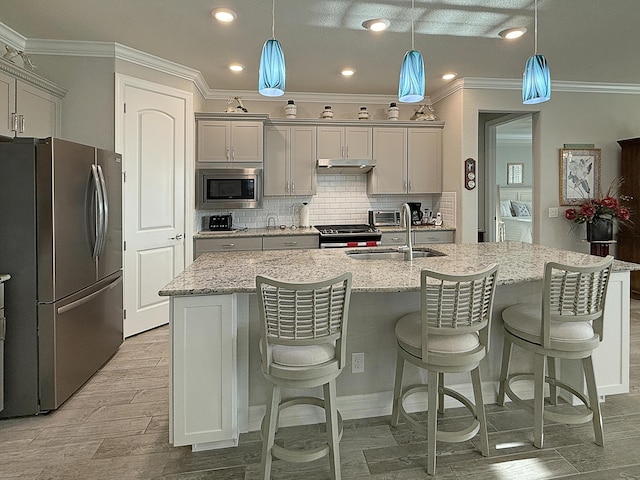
point(154, 146)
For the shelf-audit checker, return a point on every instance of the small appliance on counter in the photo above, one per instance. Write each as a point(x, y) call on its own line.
point(416, 213)
point(384, 218)
point(218, 223)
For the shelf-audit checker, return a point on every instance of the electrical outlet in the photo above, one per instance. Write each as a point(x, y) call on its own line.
point(553, 212)
point(357, 363)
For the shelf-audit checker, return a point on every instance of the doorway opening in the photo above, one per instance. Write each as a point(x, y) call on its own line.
point(505, 204)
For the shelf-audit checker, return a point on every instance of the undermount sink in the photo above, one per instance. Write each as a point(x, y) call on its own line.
point(391, 254)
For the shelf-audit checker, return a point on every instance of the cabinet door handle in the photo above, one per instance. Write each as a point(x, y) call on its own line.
point(290, 243)
point(228, 153)
point(14, 122)
point(233, 153)
point(229, 245)
point(410, 186)
point(293, 187)
point(346, 149)
point(287, 188)
point(22, 123)
point(404, 185)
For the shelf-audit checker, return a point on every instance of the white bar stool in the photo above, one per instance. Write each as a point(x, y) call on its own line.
point(303, 345)
point(449, 335)
point(567, 323)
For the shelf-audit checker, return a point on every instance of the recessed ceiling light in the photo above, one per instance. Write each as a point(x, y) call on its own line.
point(236, 67)
point(348, 71)
point(376, 24)
point(224, 15)
point(512, 33)
point(449, 75)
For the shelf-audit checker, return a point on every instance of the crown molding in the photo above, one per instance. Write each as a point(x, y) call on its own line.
point(122, 52)
point(31, 77)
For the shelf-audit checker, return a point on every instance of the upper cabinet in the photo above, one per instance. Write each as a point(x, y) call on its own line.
point(30, 106)
point(408, 160)
point(337, 141)
point(290, 160)
point(228, 142)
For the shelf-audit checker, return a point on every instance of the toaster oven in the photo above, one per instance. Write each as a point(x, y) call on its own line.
point(381, 218)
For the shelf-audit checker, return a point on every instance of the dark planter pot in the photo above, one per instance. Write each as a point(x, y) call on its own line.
point(600, 230)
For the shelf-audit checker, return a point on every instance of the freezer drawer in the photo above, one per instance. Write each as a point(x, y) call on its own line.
point(77, 336)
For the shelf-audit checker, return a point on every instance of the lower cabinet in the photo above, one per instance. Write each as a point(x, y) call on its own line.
point(290, 242)
point(203, 408)
point(418, 237)
point(208, 245)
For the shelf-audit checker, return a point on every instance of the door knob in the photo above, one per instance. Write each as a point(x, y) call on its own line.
point(177, 237)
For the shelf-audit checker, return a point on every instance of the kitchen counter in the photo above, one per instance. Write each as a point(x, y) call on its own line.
point(217, 389)
point(235, 272)
point(417, 228)
point(258, 232)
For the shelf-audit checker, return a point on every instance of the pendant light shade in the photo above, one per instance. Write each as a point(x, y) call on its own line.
point(536, 81)
point(272, 73)
point(411, 87)
point(272, 69)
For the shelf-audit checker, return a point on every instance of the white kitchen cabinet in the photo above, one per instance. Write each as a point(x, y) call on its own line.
point(289, 165)
point(230, 142)
point(335, 141)
point(30, 105)
point(408, 160)
point(226, 244)
point(204, 361)
point(290, 242)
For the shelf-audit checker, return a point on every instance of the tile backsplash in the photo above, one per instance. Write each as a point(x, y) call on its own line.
point(340, 199)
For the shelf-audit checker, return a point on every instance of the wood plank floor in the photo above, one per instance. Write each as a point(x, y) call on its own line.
point(116, 427)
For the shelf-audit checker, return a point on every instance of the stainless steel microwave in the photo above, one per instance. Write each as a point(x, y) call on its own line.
point(228, 188)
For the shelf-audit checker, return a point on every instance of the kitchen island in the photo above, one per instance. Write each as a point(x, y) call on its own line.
point(217, 388)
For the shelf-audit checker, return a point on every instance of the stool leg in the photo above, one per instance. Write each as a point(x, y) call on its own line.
point(480, 414)
point(538, 400)
point(271, 417)
point(432, 422)
point(504, 369)
point(331, 415)
point(553, 374)
point(441, 392)
point(397, 390)
point(594, 401)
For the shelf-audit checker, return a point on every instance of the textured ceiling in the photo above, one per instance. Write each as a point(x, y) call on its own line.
point(583, 40)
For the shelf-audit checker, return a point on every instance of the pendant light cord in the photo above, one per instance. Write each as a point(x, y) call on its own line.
point(273, 19)
point(412, 34)
point(535, 28)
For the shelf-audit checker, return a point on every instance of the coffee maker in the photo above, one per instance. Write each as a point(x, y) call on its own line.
point(416, 213)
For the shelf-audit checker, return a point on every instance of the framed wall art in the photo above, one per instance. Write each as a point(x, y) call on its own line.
point(579, 175)
point(515, 173)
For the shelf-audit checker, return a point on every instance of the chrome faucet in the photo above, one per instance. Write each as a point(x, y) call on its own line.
point(405, 217)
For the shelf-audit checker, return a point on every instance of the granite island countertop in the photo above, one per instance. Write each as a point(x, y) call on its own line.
point(235, 272)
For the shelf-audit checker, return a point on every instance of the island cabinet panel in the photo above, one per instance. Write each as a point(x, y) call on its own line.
point(433, 236)
point(229, 142)
point(628, 247)
point(290, 160)
point(204, 394)
point(408, 160)
point(345, 142)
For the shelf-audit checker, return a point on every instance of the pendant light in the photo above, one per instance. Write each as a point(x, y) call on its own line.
point(272, 69)
point(411, 87)
point(536, 80)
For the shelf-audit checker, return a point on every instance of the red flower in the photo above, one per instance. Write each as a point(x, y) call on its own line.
point(570, 214)
point(609, 202)
point(623, 213)
point(588, 211)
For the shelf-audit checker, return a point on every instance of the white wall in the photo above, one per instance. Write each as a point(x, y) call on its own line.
point(569, 117)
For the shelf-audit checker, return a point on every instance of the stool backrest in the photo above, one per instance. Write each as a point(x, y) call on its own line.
point(573, 293)
point(304, 313)
point(457, 304)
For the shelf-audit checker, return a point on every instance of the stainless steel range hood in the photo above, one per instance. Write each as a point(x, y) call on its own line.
point(345, 166)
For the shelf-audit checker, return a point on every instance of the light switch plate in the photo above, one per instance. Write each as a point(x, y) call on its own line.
point(553, 212)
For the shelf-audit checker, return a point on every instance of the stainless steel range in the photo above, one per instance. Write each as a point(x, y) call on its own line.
point(360, 235)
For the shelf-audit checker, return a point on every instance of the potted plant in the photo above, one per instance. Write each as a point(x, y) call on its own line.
point(600, 213)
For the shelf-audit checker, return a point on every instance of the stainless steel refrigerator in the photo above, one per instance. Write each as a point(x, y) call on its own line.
point(61, 242)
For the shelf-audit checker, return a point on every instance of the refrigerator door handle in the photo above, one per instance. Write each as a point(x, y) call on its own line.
point(100, 211)
point(105, 212)
point(88, 298)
